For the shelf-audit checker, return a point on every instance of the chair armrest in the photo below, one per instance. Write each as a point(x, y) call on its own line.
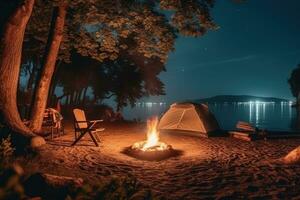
point(96, 121)
point(92, 123)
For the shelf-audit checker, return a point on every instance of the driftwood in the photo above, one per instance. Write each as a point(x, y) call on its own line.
point(292, 157)
point(61, 181)
point(47, 186)
point(245, 126)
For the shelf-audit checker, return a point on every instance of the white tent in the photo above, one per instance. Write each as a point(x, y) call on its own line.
point(189, 117)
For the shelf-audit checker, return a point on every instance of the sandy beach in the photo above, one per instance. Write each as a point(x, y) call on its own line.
point(209, 168)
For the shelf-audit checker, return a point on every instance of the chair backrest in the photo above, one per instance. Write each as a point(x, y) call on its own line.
point(55, 115)
point(47, 113)
point(47, 118)
point(80, 119)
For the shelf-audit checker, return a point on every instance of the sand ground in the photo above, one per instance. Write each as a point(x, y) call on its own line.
point(210, 168)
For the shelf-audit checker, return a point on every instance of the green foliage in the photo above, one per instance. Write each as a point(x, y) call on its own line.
point(10, 179)
point(10, 184)
point(136, 35)
point(192, 17)
point(126, 79)
point(103, 29)
point(113, 188)
point(294, 81)
point(6, 152)
point(125, 91)
point(110, 188)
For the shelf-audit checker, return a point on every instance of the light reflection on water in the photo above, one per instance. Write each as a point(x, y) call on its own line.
point(143, 111)
point(267, 115)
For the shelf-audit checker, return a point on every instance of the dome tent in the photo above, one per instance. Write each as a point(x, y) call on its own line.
point(191, 117)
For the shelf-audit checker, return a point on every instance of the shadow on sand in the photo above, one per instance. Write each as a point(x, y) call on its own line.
point(68, 143)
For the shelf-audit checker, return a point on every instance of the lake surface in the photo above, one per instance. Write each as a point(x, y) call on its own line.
point(266, 115)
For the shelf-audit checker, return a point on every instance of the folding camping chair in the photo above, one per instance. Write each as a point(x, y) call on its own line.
point(83, 126)
point(53, 119)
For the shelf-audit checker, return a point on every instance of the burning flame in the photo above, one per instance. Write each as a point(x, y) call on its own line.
point(152, 133)
point(152, 143)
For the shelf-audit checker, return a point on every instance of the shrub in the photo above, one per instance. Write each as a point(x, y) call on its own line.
point(10, 183)
point(6, 152)
point(114, 188)
point(10, 175)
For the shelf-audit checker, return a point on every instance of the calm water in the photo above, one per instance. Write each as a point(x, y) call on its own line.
point(268, 115)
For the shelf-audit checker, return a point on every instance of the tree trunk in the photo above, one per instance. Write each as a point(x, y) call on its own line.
point(33, 73)
point(84, 95)
point(76, 97)
point(10, 61)
point(41, 96)
point(298, 101)
point(79, 96)
point(72, 98)
point(68, 99)
point(36, 76)
point(52, 100)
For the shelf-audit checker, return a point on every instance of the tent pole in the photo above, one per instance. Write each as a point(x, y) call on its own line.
point(181, 118)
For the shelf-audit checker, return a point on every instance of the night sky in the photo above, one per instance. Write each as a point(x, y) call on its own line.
point(253, 52)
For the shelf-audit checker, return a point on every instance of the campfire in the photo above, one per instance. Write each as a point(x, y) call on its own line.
point(151, 149)
point(152, 143)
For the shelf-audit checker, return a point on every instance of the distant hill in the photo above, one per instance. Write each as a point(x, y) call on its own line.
point(238, 98)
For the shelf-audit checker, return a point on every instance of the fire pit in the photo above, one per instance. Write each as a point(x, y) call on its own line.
point(152, 148)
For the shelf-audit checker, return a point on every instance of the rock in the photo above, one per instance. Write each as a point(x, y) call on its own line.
point(37, 142)
point(293, 157)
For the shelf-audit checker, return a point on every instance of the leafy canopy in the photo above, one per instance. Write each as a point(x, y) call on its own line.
point(294, 81)
point(103, 29)
point(131, 38)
